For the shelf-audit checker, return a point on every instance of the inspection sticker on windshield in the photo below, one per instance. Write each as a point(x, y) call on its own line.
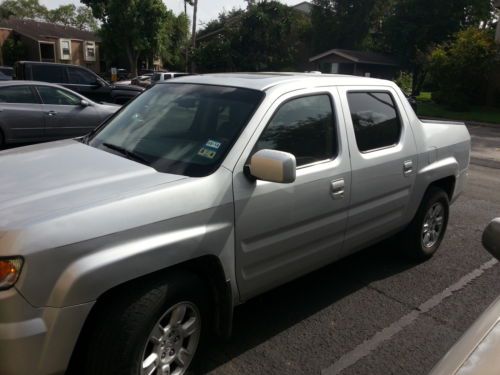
point(213, 144)
point(206, 153)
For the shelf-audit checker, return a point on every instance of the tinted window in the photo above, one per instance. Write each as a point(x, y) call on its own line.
point(17, 94)
point(375, 119)
point(303, 127)
point(48, 73)
point(81, 77)
point(180, 128)
point(54, 95)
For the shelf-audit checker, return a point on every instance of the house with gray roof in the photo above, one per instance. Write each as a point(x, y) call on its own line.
point(358, 63)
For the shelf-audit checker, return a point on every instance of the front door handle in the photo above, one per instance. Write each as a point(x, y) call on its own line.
point(407, 167)
point(52, 113)
point(338, 189)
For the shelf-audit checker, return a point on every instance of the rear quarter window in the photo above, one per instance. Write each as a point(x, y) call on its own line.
point(48, 73)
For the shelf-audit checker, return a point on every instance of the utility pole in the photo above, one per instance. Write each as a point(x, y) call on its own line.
point(186, 57)
point(193, 41)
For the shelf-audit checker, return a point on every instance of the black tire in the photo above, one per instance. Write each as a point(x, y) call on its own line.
point(416, 243)
point(119, 335)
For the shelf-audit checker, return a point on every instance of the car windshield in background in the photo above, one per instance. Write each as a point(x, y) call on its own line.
point(182, 129)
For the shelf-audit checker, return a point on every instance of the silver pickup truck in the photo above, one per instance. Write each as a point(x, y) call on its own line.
point(120, 251)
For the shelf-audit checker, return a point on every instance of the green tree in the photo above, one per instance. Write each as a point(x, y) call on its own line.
point(134, 26)
point(413, 27)
point(12, 50)
point(29, 9)
point(342, 23)
point(63, 15)
point(268, 36)
point(459, 69)
point(84, 19)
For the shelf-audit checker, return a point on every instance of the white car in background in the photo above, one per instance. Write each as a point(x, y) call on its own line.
point(164, 76)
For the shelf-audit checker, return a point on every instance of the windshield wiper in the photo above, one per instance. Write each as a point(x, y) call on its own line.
point(128, 154)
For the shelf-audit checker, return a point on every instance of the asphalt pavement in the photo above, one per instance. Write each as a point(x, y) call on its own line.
point(376, 312)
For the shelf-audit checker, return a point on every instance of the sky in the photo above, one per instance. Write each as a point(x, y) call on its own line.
point(207, 9)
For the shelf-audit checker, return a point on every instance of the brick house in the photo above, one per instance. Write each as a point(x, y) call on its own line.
point(49, 42)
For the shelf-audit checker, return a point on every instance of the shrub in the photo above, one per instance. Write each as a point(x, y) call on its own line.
point(459, 70)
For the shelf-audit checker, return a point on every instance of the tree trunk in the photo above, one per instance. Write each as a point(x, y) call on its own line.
point(193, 40)
point(132, 60)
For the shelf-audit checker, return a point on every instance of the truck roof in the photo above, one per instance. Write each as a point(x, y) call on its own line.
point(265, 80)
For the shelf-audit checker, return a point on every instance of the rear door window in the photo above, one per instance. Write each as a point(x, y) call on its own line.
point(376, 120)
point(17, 94)
point(48, 73)
point(81, 77)
point(57, 96)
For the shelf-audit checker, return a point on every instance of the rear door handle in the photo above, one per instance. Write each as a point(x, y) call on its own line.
point(338, 189)
point(52, 113)
point(407, 167)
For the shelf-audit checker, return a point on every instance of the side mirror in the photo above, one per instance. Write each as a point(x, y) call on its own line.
point(84, 103)
point(273, 166)
point(491, 238)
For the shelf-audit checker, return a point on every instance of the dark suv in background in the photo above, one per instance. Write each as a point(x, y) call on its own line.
point(82, 80)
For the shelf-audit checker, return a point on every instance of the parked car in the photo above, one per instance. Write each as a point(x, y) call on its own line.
point(120, 250)
point(164, 76)
point(6, 73)
point(143, 80)
point(39, 111)
point(477, 350)
point(77, 78)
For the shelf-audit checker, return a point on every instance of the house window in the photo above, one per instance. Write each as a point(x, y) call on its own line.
point(90, 51)
point(65, 45)
point(47, 52)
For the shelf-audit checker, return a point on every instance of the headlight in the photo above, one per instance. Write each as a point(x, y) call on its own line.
point(10, 268)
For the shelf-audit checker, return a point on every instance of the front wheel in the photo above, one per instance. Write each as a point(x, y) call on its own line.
point(151, 329)
point(422, 238)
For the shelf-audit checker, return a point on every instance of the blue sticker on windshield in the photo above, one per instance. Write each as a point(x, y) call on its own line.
point(214, 145)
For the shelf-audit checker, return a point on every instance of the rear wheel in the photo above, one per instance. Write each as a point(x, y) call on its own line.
point(422, 238)
point(152, 329)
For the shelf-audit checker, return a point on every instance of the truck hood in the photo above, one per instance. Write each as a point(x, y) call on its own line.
point(50, 179)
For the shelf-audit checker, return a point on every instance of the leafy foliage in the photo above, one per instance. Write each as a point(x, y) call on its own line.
point(68, 15)
point(134, 26)
point(268, 36)
point(460, 68)
point(341, 23)
point(13, 50)
point(413, 27)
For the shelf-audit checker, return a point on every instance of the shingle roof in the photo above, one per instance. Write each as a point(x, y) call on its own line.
point(42, 30)
point(360, 57)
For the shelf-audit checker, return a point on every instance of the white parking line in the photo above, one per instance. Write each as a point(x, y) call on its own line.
point(387, 333)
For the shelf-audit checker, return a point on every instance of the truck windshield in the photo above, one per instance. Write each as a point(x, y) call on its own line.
point(179, 128)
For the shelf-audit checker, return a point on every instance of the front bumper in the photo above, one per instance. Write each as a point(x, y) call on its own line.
point(37, 340)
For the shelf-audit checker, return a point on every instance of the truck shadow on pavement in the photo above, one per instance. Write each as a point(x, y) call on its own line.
point(265, 316)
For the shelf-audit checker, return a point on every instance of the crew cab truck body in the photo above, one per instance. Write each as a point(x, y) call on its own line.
point(126, 246)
